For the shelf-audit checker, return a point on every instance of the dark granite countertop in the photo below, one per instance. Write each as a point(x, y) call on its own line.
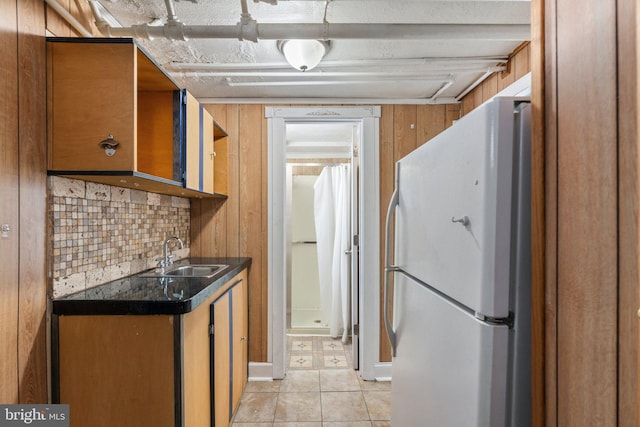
point(150, 295)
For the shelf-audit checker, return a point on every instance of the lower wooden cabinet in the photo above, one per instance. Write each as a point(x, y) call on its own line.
point(154, 370)
point(229, 327)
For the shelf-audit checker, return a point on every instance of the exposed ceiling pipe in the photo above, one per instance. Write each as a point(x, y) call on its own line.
point(69, 18)
point(324, 74)
point(474, 84)
point(254, 31)
point(462, 64)
point(314, 82)
point(251, 30)
point(171, 11)
point(444, 87)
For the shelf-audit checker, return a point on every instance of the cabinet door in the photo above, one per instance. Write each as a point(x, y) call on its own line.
point(221, 360)
point(239, 322)
point(196, 374)
point(221, 160)
point(229, 316)
point(92, 94)
point(192, 142)
point(207, 154)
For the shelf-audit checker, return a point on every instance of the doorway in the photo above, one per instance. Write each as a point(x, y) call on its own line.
point(364, 319)
point(320, 223)
point(314, 307)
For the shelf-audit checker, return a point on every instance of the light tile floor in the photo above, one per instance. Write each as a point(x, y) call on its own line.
point(321, 389)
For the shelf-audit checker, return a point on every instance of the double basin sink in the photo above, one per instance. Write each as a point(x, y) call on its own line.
point(191, 270)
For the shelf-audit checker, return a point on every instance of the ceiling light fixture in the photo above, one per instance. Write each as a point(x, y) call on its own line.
point(303, 55)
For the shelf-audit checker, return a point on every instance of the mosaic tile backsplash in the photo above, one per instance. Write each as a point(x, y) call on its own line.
point(102, 233)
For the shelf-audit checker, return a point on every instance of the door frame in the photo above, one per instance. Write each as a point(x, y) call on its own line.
point(277, 118)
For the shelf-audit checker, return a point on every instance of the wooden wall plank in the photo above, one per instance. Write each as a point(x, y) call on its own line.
point(629, 229)
point(489, 87)
point(250, 166)
point(551, 212)
point(522, 65)
point(431, 120)
point(587, 213)
point(405, 130)
point(452, 113)
point(468, 105)
point(507, 77)
point(9, 198)
point(33, 201)
point(233, 202)
point(477, 96)
point(55, 24)
point(538, 208)
point(387, 166)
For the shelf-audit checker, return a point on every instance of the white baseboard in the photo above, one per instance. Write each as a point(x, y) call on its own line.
point(260, 371)
point(382, 371)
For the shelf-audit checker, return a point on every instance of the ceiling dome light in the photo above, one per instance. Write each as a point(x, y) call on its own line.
point(303, 55)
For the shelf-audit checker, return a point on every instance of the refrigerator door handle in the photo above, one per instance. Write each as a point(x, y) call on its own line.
point(389, 268)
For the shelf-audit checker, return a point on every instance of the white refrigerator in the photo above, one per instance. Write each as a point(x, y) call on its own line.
point(461, 270)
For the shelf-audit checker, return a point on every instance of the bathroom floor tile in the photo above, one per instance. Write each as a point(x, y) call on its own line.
point(335, 361)
point(301, 361)
point(333, 345)
point(302, 345)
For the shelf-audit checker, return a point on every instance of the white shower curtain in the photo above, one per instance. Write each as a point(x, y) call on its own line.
point(332, 202)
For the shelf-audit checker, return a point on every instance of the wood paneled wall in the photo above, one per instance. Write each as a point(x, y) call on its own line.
point(587, 93)
point(23, 354)
point(237, 226)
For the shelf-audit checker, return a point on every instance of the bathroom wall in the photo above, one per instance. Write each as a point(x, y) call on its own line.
point(100, 233)
point(304, 294)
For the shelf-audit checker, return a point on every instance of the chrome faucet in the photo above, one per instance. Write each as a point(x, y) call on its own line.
point(167, 260)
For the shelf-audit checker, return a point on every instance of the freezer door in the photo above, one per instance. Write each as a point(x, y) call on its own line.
point(454, 217)
point(450, 369)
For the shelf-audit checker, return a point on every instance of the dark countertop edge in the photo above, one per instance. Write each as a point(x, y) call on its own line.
point(78, 307)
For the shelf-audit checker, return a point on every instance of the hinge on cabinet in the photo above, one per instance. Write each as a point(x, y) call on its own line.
point(356, 239)
point(356, 329)
point(211, 329)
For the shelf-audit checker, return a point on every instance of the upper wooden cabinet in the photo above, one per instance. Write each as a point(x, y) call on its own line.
point(205, 167)
point(117, 118)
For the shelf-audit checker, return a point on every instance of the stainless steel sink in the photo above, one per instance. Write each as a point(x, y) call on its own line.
point(192, 270)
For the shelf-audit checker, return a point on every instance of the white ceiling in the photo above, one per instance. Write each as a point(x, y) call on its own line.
point(442, 60)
